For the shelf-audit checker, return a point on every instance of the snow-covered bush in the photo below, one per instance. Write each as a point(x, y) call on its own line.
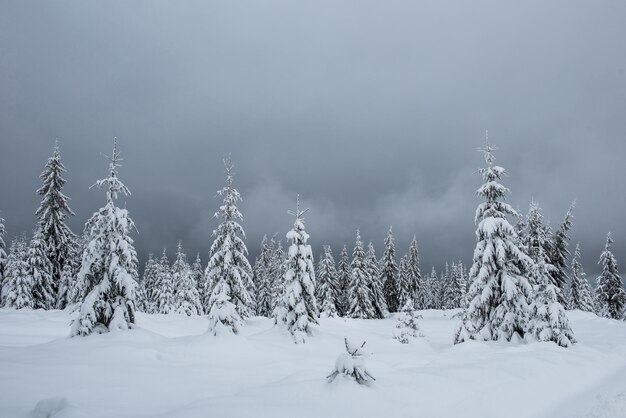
point(407, 325)
point(352, 364)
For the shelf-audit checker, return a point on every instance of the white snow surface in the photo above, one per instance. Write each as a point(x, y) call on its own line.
point(168, 366)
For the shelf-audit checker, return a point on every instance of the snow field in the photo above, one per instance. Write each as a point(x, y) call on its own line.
point(170, 367)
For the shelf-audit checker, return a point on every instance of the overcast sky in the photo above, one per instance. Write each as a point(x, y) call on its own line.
point(371, 110)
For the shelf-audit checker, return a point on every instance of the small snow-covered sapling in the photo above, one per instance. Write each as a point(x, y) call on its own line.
point(352, 364)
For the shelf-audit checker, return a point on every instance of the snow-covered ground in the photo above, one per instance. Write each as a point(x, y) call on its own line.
point(169, 367)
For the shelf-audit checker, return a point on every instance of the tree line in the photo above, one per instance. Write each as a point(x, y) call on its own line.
point(519, 285)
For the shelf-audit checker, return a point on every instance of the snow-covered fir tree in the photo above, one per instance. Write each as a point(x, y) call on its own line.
point(277, 275)
point(108, 273)
point(359, 290)
point(416, 281)
point(404, 282)
point(197, 274)
point(262, 278)
point(407, 325)
point(18, 286)
point(143, 288)
point(58, 240)
point(299, 307)
point(455, 287)
point(375, 283)
point(328, 292)
point(344, 273)
point(580, 293)
point(66, 294)
point(559, 255)
point(498, 294)
point(40, 270)
point(228, 274)
point(548, 321)
point(165, 288)
point(149, 284)
point(389, 272)
point(186, 296)
point(3, 258)
point(446, 288)
point(610, 293)
point(432, 290)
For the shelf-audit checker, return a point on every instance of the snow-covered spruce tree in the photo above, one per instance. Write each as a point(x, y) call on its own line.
point(610, 293)
point(186, 296)
point(389, 272)
point(404, 284)
point(69, 277)
point(359, 291)
point(299, 307)
point(560, 253)
point(498, 294)
point(327, 284)
point(376, 284)
point(197, 274)
point(447, 291)
point(3, 258)
point(548, 321)
point(228, 273)
point(407, 324)
point(343, 270)
point(262, 278)
point(66, 294)
point(165, 287)
point(108, 272)
point(432, 290)
point(145, 286)
point(455, 292)
point(580, 293)
point(416, 281)
point(18, 287)
point(40, 270)
point(277, 275)
point(58, 240)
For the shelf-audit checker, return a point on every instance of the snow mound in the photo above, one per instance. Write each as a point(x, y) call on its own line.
point(51, 408)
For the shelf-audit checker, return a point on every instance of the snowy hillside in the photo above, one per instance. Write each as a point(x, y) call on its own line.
point(171, 367)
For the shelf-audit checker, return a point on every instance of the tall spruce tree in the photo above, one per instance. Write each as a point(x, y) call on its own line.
point(343, 270)
point(498, 295)
point(610, 293)
point(548, 321)
point(165, 286)
point(416, 286)
point(559, 255)
point(149, 283)
point(108, 270)
point(144, 287)
point(197, 274)
point(40, 269)
point(359, 291)
point(328, 284)
point(432, 290)
point(18, 287)
point(580, 293)
point(228, 273)
point(375, 283)
point(277, 275)
point(186, 296)
point(299, 307)
point(3, 258)
point(389, 271)
point(404, 282)
point(263, 279)
point(60, 241)
point(456, 285)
